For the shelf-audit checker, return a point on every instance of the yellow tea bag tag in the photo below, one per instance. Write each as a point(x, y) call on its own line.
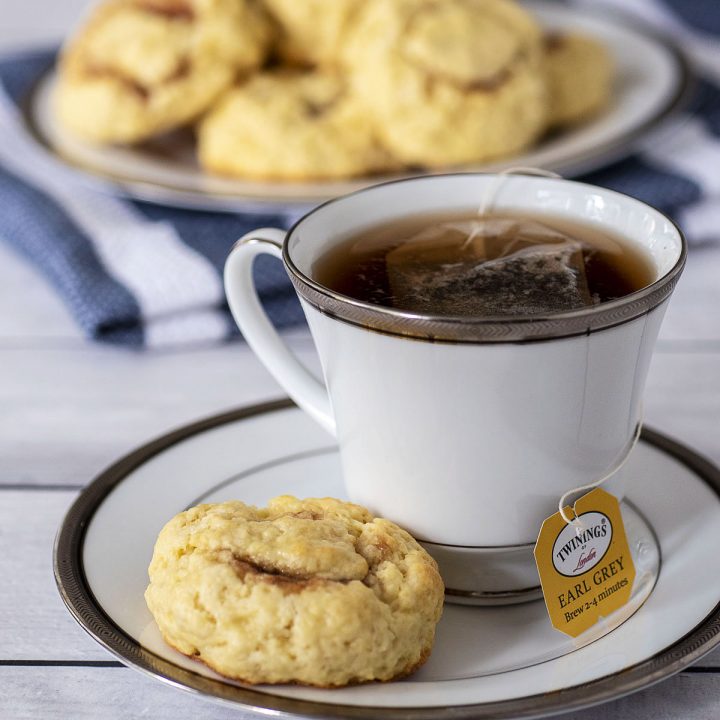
point(586, 570)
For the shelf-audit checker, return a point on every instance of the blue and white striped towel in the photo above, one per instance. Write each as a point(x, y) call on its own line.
point(130, 272)
point(139, 274)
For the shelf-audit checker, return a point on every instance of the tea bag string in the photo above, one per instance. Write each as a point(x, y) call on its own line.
point(500, 179)
point(617, 465)
point(486, 205)
point(488, 200)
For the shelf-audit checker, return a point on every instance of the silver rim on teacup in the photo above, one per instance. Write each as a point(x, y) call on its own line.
point(488, 329)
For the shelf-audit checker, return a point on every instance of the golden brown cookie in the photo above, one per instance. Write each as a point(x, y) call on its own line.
point(312, 31)
point(316, 592)
point(580, 72)
point(449, 82)
point(290, 126)
point(141, 67)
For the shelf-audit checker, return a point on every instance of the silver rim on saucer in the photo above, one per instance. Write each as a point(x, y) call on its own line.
point(75, 592)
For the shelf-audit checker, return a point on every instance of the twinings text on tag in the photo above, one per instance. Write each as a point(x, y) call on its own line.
point(586, 570)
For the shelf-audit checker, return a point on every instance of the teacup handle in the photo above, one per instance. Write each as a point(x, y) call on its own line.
point(262, 337)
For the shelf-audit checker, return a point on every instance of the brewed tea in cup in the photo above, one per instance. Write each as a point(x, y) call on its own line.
point(471, 265)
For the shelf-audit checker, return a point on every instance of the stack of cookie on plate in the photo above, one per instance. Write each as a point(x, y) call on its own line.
point(310, 89)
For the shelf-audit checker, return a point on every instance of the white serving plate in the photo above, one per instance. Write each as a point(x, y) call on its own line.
point(652, 83)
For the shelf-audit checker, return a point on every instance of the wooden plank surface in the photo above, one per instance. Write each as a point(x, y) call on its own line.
point(118, 693)
point(692, 315)
point(68, 412)
point(69, 408)
point(35, 623)
point(682, 398)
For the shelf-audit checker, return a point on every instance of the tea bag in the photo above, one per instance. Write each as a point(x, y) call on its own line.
point(488, 266)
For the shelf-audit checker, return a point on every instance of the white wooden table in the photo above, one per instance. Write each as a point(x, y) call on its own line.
point(69, 408)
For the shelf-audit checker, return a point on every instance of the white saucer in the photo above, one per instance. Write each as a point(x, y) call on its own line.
point(488, 662)
point(653, 81)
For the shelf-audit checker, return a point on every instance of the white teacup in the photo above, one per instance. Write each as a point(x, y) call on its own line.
point(466, 431)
